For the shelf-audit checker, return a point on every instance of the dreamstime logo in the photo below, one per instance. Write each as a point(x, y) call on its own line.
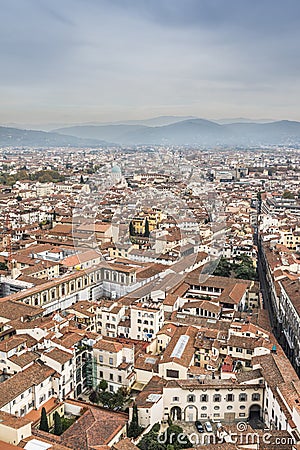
point(238, 436)
point(241, 426)
point(179, 201)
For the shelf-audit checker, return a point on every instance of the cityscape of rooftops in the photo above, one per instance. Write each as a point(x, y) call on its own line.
point(150, 225)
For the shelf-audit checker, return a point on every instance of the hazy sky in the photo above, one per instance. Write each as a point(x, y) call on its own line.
point(96, 60)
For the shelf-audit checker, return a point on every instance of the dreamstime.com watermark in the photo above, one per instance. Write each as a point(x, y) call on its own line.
point(240, 436)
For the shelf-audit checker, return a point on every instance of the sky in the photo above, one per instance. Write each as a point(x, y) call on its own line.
point(77, 61)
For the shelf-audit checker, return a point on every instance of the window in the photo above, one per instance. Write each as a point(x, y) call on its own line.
point(216, 408)
point(255, 397)
point(204, 408)
point(217, 398)
point(242, 414)
point(229, 407)
point(191, 398)
point(111, 361)
point(119, 379)
point(242, 407)
point(172, 373)
point(203, 398)
point(111, 376)
point(239, 350)
point(229, 397)
point(243, 397)
point(101, 358)
point(175, 399)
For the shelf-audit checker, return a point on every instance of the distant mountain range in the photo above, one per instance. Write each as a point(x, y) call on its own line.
point(15, 137)
point(191, 131)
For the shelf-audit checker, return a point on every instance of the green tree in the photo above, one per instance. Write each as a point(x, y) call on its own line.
point(119, 399)
point(44, 426)
point(3, 266)
point(150, 442)
point(173, 433)
point(147, 231)
point(131, 229)
point(94, 397)
point(58, 429)
point(103, 385)
point(243, 268)
point(107, 399)
point(169, 441)
point(288, 195)
point(134, 429)
point(224, 268)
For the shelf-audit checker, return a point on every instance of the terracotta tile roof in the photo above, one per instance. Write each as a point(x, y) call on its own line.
point(6, 446)
point(11, 310)
point(108, 346)
point(168, 329)
point(96, 426)
point(17, 384)
point(11, 343)
point(125, 444)
point(203, 304)
point(34, 415)
point(186, 357)
point(292, 288)
point(68, 340)
point(25, 359)
point(59, 355)
point(12, 421)
point(80, 258)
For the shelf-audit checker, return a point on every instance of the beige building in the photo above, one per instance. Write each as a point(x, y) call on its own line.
point(12, 429)
point(114, 363)
point(146, 320)
point(189, 400)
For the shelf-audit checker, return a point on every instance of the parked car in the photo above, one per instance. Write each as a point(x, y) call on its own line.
point(208, 427)
point(199, 426)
